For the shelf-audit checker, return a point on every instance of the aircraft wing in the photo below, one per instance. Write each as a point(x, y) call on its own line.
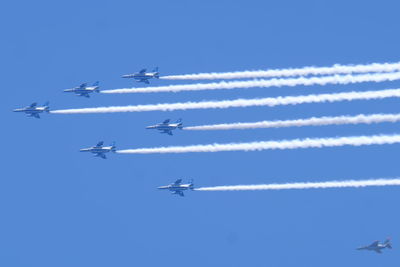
point(179, 193)
point(101, 155)
point(100, 143)
point(142, 71)
point(37, 116)
point(169, 132)
point(177, 182)
point(378, 251)
point(375, 244)
point(86, 95)
point(33, 105)
point(83, 86)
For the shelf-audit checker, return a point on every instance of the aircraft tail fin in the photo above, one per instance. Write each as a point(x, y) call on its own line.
point(387, 243)
point(180, 124)
point(113, 147)
point(156, 73)
point(191, 184)
point(96, 83)
point(46, 105)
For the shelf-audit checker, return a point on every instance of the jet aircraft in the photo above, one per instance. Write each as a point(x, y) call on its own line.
point(33, 110)
point(377, 246)
point(143, 75)
point(166, 126)
point(84, 90)
point(177, 188)
point(99, 150)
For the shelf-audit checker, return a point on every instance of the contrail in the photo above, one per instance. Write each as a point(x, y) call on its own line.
point(306, 185)
point(272, 145)
point(270, 102)
point(336, 79)
point(335, 69)
point(314, 121)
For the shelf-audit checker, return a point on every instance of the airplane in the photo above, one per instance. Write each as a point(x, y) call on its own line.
point(84, 90)
point(377, 246)
point(100, 150)
point(33, 110)
point(166, 126)
point(177, 188)
point(143, 75)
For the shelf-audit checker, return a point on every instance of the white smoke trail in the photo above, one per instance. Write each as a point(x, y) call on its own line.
point(314, 121)
point(337, 79)
point(335, 69)
point(272, 145)
point(307, 185)
point(270, 102)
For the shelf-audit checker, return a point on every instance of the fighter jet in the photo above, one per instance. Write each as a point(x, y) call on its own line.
point(99, 150)
point(84, 90)
point(143, 75)
point(33, 110)
point(166, 126)
point(177, 188)
point(377, 246)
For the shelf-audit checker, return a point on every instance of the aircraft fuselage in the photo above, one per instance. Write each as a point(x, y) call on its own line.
point(81, 91)
point(164, 127)
point(32, 111)
point(142, 77)
point(97, 150)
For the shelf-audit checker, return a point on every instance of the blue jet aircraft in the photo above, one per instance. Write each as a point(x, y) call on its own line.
point(99, 150)
point(177, 188)
point(143, 76)
point(84, 90)
point(377, 246)
point(33, 110)
point(166, 127)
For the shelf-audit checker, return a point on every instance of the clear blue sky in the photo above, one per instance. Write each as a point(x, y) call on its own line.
point(60, 207)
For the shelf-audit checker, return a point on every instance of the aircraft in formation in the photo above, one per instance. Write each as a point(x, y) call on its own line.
point(84, 89)
point(166, 126)
point(177, 188)
point(377, 246)
point(143, 75)
point(33, 110)
point(99, 150)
